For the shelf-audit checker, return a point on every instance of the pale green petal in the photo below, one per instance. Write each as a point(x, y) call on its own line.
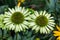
point(44, 12)
point(26, 23)
point(13, 27)
point(10, 26)
point(7, 13)
point(23, 10)
point(34, 27)
point(24, 26)
point(51, 17)
point(50, 27)
point(37, 28)
point(16, 29)
point(36, 13)
point(51, 23)
point(10, 10)
point(48, 15)
point(32, 24)
point(48, 30)
point(28, 18)
point(27, 14)
point(41, 12)
point(41, 30)
point(20, 27)
point(13, 10)
point(6, 19)
point(33, 16)
point(26, 11)
point(8, 23)
point(51, 20)
point(17, 9)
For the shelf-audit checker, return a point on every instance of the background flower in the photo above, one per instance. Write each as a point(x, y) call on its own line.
point(57, 33)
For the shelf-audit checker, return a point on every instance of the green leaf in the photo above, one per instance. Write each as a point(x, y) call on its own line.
point(3, 8)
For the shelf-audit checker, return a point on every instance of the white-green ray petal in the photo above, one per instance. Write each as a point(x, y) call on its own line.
point(36, 13)
point(8, 23)
point(41, 30)
point(44, 12)
point(27, 14)
point(51, 23)
point(24, 26)
point(6, 19)
point(41, 12)
point(50, 27)
point(20, 27)
point(51, 20)
point(47, 30)
point(23, 10)
point(17, 9)
point(10, 10)
point(10, 26)
point(34, 27)
point(13, 10)
point(26, 11)
point(26, 23)
point(37, 28)
point(44, 30)
point(48, 15)
point(13, 27)
point(51, 17)
point(33, 16)
point(28, 18)
point(16, 28)
point(32, 24)
point(7, 13)
point(20, 9)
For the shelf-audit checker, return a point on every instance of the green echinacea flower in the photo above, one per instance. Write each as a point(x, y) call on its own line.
point(16, 19)
point(42, 22)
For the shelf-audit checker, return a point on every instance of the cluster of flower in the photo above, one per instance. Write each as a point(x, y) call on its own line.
point(20, 19)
